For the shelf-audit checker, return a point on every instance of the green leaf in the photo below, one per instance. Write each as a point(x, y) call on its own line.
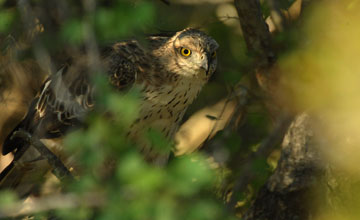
point(123, 19)
point(73, 31)
point(158, 141)
point(7, 198)
point(6, 19)
point(190, 173)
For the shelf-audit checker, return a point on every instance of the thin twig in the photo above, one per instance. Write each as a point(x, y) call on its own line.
point(166, 2)
point(48, 203)
point(59, 169)
point(265, 148)
point(28, 16)
point(227, 17)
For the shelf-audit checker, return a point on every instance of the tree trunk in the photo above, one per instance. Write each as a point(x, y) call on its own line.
point(289, 193)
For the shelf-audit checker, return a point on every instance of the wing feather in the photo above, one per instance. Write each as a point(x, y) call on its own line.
point(68, 95)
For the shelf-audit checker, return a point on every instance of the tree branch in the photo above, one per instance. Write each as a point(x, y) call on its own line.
point(255, 31)
point(59, 169)
point(48, 203)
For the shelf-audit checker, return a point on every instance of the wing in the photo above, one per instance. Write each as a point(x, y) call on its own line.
point(68, 95)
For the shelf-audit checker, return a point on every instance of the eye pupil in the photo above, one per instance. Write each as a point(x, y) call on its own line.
point(185, 52)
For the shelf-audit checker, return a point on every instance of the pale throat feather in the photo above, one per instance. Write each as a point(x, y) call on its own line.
point(162, 107)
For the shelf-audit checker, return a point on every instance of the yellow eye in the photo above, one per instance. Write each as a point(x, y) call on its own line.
point(213, 55)
point(185, 52)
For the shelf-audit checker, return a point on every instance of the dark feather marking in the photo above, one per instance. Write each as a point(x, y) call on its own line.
point(177, 119)
point(170, 112)
point(171, 100)
point(176, 104)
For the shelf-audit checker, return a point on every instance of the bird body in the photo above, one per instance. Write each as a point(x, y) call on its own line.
point(169, 71)
point(162, 109)
point(165, 106)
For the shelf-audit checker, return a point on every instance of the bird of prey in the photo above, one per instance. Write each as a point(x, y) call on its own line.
point(170, 71)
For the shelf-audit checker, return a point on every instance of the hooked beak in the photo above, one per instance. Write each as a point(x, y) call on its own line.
point(205, 65)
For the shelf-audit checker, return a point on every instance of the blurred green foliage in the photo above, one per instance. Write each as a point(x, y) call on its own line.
point(282, 4)
point(135, 189)
point(190, 186)
point(7, 17)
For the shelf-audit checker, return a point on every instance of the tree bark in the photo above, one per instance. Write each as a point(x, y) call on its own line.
point(289, 192)
point(256, 32)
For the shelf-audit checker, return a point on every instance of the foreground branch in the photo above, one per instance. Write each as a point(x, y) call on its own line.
point(48, 203)
point(59, 169)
